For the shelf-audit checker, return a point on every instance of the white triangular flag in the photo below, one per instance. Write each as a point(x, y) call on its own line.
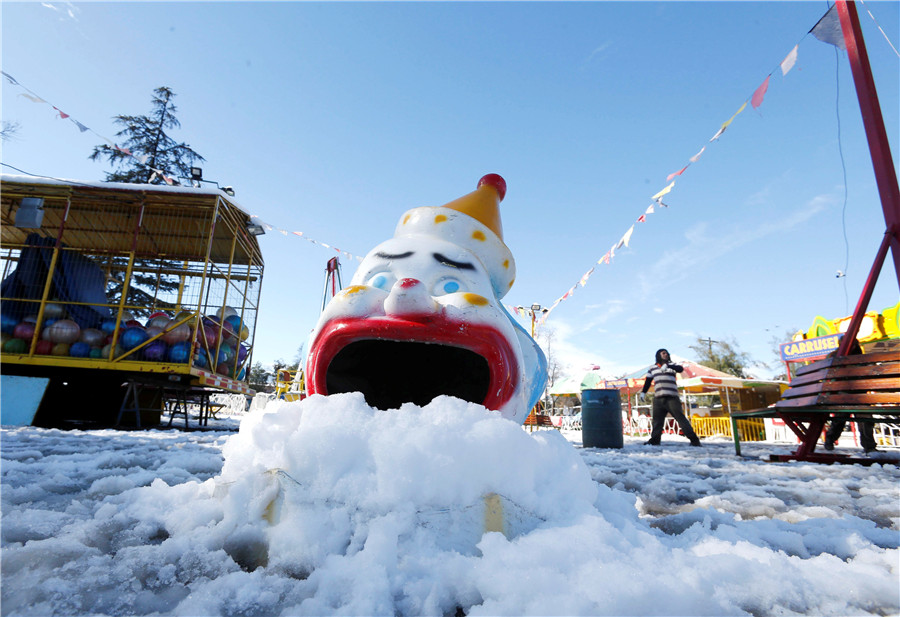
point(788, 63)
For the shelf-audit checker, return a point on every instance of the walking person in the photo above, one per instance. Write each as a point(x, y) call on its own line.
point(866, 433)
point(839, 421)
point(665, 398)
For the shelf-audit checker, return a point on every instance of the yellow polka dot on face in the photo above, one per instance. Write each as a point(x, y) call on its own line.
point(440, 218)
point(475, 299)
point(406, 219)
point(479, 235)
point(511, 282)
point(354, 289)
point(506, 264)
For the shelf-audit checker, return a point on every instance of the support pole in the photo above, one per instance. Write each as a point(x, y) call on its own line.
point(880, 151)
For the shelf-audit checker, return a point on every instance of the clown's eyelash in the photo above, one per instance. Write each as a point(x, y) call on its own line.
point(453, 264)
point(398, 256)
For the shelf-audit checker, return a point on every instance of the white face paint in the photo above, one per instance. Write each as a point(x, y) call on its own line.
point(442, 267)
point(422, 318)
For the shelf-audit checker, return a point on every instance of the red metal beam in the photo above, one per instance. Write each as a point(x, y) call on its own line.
point(866, 295)
point(882, 161)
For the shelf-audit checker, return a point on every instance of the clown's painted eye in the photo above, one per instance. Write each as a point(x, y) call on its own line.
point(382, 280)
point(447, 285)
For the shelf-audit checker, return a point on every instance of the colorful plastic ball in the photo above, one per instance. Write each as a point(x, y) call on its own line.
point(235, 322)
point(79, 350)
point(133, 323)
point(224, 330)
point(177, 334)
point(155, 351)
point(108, 347)
point(224, 369)
point(179, 353)
point(228, 331)
point(30, 319)
point(242, 353)
point(93, 337)
point(7, 323)
point(108, 326)
point(152, 331)
point(183, 315)
point(242, 374)
point(245, 333)
point(64, 331)
point(44, 348)
point(60, 349)
point(214, 326)
point(3, 338)
point(127, 316)
point(48, 322)
point(158, 320)
point(132, 337)
point(206, 334)
point(15, 345)
point(226, 354)
point(96, 353)
point(225, 312)
point(200, 359)
point(24, 331)
point(53, 310)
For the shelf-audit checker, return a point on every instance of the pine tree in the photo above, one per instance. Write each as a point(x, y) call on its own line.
point(258, 377)
point(146, 135)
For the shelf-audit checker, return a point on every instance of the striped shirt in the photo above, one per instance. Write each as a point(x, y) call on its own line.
point(663, 377)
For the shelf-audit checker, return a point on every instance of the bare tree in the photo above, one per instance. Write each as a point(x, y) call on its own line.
point(723, 356)
point(8, 130)
point(546, 337)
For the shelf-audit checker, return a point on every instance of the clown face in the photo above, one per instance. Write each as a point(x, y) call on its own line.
point(421, 319)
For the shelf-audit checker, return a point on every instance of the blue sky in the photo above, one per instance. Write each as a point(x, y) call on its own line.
point(335, 118)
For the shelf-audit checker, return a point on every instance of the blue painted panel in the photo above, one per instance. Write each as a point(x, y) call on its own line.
point(19, 398)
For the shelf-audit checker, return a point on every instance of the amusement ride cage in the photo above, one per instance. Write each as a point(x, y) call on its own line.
point(105, 282)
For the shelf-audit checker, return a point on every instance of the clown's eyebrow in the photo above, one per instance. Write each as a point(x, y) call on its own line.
point(397, 256)
point(446, 261)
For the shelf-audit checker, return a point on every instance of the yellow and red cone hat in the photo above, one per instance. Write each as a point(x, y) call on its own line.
point(473, 223)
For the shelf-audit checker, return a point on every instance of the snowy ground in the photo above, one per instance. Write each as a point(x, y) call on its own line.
point(330, 507)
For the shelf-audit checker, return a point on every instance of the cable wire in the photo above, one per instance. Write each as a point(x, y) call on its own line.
point(21, 171)
point(837, 111)
point(881, 29)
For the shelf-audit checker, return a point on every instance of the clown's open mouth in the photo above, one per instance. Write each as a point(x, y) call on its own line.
point(390, 373)
point(393, 361)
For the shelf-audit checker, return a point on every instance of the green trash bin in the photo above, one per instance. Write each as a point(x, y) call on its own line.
point(601, 419)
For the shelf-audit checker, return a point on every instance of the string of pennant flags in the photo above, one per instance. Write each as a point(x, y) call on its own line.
point(32, 96)
point(302, 235)
point(827, 30)
point(143, 158)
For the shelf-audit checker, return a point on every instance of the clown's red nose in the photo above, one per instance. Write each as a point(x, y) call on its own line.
point(409, 299)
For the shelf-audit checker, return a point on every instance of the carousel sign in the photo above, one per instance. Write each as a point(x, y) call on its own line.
point(809, 348)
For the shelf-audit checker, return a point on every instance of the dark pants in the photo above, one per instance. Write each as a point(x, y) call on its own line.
point(866, 432)
point(671, 405)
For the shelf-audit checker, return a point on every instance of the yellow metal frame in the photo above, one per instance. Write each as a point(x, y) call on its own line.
point(751, 430)
point(290, 386)
point(204, 231)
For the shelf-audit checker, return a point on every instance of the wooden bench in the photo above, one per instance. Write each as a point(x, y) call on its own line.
point(858, 387)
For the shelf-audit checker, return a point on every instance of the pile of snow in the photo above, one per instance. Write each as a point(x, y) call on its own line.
point(328, 506)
